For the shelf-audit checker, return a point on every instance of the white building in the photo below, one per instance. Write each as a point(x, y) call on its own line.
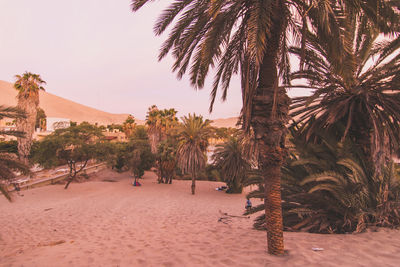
point(57, 123)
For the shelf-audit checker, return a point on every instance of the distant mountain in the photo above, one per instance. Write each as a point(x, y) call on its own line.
point(55, 106)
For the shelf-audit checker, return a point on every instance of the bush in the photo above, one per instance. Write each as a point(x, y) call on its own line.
point(327, 187)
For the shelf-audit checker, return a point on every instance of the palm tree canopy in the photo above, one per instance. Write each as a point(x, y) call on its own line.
point(9, 163)
point(233, 35)
point(28, 84)
point(193, 142)
point(12, 113)
point(161, 120)
point(229, 157)
point(365, 99)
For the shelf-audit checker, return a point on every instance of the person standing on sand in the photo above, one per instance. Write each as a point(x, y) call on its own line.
point(248, 204)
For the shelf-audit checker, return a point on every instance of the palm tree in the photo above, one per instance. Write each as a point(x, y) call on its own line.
point(230, 158)
point(28, 86)
point(139, 153)
point(129, 125)
point(249, 37)
point(159, 122)
point(166, 160)
point(193, 143)
point(9, 162)
point(365, 99)
point(328, 187)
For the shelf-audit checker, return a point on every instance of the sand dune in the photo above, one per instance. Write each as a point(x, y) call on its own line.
point(228, 122)
point(59, 107)
point(115, 224)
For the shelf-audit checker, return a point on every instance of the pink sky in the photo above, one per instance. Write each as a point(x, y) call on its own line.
point(98, 53)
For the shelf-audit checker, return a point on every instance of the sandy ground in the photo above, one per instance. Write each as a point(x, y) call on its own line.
point(101, 223)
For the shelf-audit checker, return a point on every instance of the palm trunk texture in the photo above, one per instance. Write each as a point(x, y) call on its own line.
point(269, 117)
point(193, 183)
point(27, 125)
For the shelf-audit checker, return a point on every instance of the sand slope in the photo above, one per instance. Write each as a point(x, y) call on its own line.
point(114, 224)
point(228, 122)
point(59, 107)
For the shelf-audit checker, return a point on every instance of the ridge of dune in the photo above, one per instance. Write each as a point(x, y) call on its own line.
point(226, 122)
point(59, 107)
point(55, 106)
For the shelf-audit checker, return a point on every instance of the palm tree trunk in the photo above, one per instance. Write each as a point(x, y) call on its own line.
point(26, 125)
point(269, 118)
point(193, 182)
point(153, 142)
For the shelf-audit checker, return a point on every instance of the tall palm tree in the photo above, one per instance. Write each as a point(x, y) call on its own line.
point(230, 158)
point(249, 37)
point(159, 122)
point(9, 162)
point(193, 143)
point(365, 100)
point(28, 86)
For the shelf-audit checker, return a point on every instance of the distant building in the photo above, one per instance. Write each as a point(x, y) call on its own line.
point(115, 136)
point(53, 124)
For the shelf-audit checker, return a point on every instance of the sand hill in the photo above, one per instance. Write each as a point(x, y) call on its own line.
point(228, 122)
point(59, 107)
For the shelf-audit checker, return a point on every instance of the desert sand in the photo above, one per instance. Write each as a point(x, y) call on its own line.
point(103, 223)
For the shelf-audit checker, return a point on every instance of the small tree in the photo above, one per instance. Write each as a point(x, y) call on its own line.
point(74, 146)
point(139, 156)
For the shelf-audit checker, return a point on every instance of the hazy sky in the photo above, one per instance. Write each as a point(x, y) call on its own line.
point(100, 54)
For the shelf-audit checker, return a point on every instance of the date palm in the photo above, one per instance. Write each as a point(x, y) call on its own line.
point(249, 37)
point(159, 122)
point(365, 99)
point(193, 142)
point(28, 86)
point(230, 158)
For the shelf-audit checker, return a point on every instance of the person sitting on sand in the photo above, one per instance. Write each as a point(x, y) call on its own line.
point(136, 183)
point(248, 204)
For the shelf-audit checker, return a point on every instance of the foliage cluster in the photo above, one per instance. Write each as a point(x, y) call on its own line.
point(134, 155)
point(328, 187)
point(9, 162)
point(73, 146)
